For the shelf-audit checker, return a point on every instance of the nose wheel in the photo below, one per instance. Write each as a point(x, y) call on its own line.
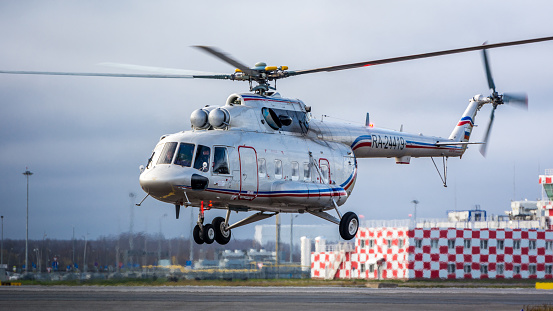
point(217, 230)
point(208, 234)
point(197, 233)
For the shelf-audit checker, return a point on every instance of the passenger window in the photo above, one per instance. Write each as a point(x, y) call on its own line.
point(278, 169)
point(295, 171)
point(261, 168)
point(185, 154)
point(202, 158)
point(220, 161)
point(167, 153)
point(306, 172)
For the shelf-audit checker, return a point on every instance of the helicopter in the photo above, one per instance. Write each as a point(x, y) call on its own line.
point(266, 153)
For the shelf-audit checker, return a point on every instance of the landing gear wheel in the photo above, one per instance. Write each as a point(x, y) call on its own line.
point(208, 234)
point(348, 226)
point(222, 236)
point(197, 235)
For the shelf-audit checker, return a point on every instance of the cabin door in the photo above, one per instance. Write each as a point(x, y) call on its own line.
point(249, 183)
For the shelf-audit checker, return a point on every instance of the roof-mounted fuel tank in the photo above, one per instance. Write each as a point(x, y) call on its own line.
point(254, 112)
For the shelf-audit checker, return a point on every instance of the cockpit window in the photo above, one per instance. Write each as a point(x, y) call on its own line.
point(167, 153)
point(185, 154)
point(271, 118)
point(220, 160)
point(155, 155)
point(286, 120)
point(202, 158)
point(150, 159)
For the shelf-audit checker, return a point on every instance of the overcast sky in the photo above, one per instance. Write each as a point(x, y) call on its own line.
point(85, 138)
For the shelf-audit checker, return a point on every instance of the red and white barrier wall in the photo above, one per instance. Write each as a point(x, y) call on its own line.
point(401, 253)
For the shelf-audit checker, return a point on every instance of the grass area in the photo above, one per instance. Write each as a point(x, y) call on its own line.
point(538, 308)
point(295, 282)
point(468, 283)
point(183, 282)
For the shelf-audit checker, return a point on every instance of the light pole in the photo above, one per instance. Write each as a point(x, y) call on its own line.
point(42, 252)
point(292, 216)
point(131, 229)
point(27, 173)
point(9, 253)
point(84, 256)
point(291, 236)
point(277, 250)
point(37, 259)
point(73, 262)
point(191, 251)
point(2, 247)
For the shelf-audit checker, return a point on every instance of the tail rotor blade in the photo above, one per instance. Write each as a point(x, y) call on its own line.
point(487, 136)
point(491, 84)
point(516, 99)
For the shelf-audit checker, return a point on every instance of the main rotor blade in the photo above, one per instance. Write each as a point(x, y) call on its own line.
point(416, 56)
point(161, 70)
point(226, 58)
point(491, 84)
point(116, 75)
point(487, 136)
point(516, 99)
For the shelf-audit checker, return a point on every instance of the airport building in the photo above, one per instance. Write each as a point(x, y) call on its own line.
point(466, 245)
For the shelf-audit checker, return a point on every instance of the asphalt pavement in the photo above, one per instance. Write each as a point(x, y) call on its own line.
point(267, 298)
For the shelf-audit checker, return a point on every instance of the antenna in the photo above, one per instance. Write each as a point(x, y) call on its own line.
point(131, 228)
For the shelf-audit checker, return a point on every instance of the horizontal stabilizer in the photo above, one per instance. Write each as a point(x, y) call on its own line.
point(458, 143)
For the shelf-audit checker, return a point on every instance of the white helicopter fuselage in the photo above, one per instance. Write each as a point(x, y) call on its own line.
point(266, 153)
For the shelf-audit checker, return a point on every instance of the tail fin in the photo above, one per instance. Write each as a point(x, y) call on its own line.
point(463, 129)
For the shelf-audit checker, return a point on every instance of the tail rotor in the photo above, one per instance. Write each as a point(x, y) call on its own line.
point(515, 99)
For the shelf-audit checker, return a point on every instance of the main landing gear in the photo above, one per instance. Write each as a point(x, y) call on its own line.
point(348, 226)
point(217, 230)
point(348, 223)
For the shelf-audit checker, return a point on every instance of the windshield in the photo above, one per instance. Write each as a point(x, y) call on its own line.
point(167, 153)
point(184, 155)
point(202, 158)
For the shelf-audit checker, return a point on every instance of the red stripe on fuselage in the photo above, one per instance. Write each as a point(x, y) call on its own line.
point(365, 144)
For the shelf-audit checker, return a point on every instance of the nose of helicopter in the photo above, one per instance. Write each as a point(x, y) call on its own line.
point(163, 183)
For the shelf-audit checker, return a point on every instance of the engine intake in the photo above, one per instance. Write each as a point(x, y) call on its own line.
point(199, 119)
point(219, 118)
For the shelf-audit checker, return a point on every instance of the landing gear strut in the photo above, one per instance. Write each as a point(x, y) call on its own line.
point(348, 223)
